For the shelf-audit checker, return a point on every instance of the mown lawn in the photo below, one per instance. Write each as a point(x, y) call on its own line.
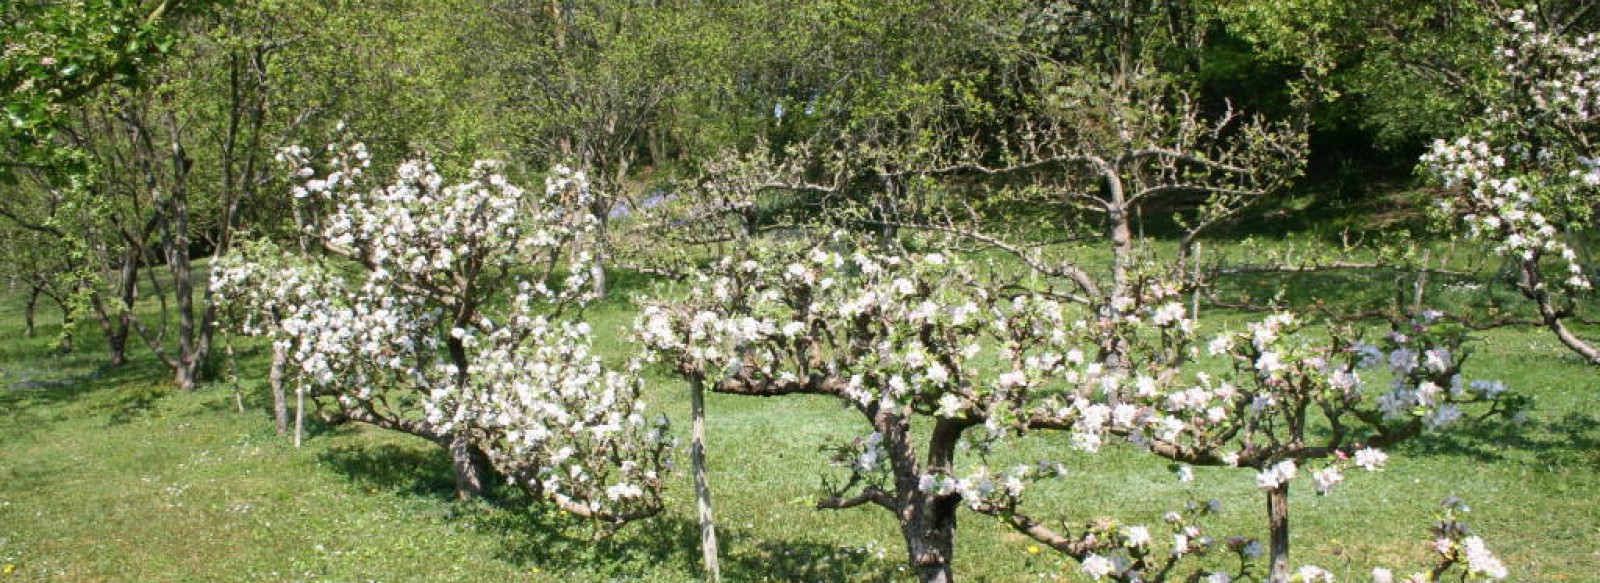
point(111, 475)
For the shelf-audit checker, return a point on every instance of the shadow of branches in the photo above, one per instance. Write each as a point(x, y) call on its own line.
point(1570, 442)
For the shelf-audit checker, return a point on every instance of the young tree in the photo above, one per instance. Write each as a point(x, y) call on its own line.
point(259, 285)
point(1525, 179)
point(34, 260)
point(416, 339)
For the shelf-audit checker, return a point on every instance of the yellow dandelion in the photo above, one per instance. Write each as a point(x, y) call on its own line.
point(1033, 549)
point(9, 568)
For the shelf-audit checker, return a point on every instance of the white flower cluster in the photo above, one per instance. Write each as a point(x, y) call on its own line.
point(1564, 72)
point(1523, 179)
point(1481, 561)
point(1504, 206)
point(1426, 380)
point(259, 287)
point(985, 486)
point(408, 341)
point(423, 230)
point(552, 414)
point(1279, 474)
point(848, 316)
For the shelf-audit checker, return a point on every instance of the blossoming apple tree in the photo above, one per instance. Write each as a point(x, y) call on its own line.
point(1525, 179)
point(924, 341)
point(260, 285)
point(405, 323)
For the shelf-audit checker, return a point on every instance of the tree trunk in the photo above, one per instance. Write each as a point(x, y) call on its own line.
point(1121, 253)
point(187, 365)
point(1278, 519)
point(928, 524)
point(64, 343)
point(28, 310)
point(299, 415)
point(702, 485)
point(1533, 287)
point(466, 461)
point(1115, 353)
point(658, 146)
point(927, 519)
point(116, 327)
point(280, 405)
point(597, 275)
point(118, 349)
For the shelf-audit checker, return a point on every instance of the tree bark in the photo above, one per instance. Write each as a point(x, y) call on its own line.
point(299, 415)
point(466, 461)
point(702, 485)
point(27, 312)
point(1532, 286)
point(927, 519)
point(187, 365)
point(1278, 519)
point(117, 327)
point(280, 405)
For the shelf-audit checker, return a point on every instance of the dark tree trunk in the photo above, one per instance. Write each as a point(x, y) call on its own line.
point(927, 519)
point(1278, 520)
point(116, 326)
point(466, 459)
point(27, 312)
point(190, 349)
point(928, 524)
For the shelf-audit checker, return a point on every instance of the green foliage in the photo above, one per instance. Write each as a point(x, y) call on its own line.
point(1400, 71)
point(58, 52)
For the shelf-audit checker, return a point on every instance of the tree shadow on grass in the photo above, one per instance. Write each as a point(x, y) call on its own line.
point(394, 467)
point(133, 402)
point(1573, 441)
point(121, 394)
point(534, 536)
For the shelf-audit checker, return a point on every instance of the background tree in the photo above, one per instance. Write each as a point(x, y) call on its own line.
point(59, 52)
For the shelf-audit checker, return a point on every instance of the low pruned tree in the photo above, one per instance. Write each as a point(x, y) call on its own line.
point(441, 309)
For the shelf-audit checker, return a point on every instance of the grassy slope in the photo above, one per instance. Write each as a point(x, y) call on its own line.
point(108, 475)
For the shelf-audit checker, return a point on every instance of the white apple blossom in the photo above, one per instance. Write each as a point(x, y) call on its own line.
point(1313, 574)
point(1276, 475)
point(1098, 567)
point(1480, 561)
point(1370, 458)
point(1326, 478)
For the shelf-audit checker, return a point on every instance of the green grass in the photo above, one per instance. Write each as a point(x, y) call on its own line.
point(111, 475)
